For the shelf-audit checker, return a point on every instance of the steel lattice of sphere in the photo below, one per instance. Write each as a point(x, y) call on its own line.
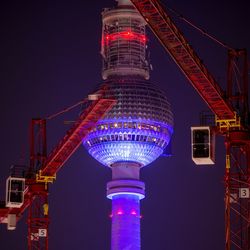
point(137, 129)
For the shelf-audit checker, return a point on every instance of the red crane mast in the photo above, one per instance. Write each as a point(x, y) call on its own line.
point(231, 110)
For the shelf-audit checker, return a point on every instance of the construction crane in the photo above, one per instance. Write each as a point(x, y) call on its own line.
point(28, 189)
point(230, 109)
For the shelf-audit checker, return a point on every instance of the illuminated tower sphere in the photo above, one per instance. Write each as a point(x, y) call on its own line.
point(137, 129)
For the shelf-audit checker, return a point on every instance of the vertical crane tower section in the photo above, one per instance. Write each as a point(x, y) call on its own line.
point(137, 129)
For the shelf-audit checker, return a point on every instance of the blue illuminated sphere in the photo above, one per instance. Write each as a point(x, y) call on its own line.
point(137, 129)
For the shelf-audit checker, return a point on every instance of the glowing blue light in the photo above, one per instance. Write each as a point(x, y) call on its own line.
point(140, 196)
point(136, 141)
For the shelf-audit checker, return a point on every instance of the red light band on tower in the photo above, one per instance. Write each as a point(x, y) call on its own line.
point(126, 35)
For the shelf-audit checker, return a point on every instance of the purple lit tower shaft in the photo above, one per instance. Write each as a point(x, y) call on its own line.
point(137, 129)
point(125, 222)
point(125, 190)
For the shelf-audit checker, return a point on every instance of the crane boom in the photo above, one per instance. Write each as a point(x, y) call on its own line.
point(72, 140)
point(185, 57)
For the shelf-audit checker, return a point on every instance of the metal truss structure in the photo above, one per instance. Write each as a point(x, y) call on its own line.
point(230, 109)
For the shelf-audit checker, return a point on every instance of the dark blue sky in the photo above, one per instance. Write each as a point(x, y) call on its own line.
point(49, 59)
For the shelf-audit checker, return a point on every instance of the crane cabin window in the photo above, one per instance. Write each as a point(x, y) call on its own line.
point(202, 145)
point(15, 192)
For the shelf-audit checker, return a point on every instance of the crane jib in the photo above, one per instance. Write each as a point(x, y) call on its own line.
point(185, 57)
point(75, 135)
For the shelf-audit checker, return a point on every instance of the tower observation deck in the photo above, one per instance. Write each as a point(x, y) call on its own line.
point(124, 42)
point(137, 129)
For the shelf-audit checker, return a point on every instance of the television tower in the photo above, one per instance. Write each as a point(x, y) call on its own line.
point(137, 129)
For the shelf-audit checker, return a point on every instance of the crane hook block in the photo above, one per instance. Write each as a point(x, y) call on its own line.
point(15, 192)
point(203, 145)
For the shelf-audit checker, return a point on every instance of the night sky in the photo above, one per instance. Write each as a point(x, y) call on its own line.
point(49, 59)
